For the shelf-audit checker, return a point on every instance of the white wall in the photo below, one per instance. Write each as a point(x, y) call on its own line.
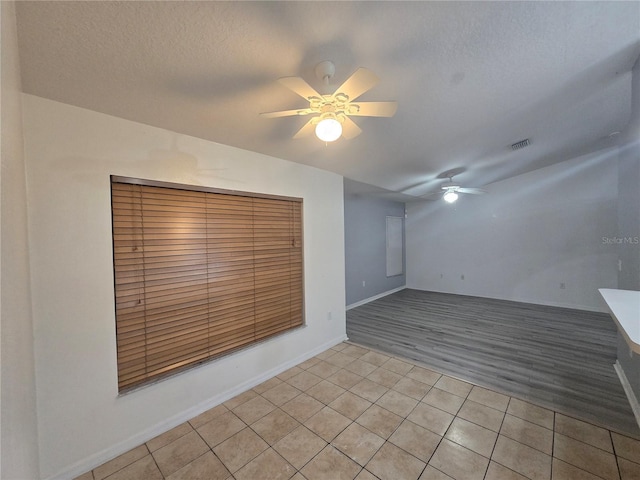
point(70, 153)
point(19, 459)
point(522, 240)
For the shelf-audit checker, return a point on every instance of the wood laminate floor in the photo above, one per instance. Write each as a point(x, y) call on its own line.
point(556, 357)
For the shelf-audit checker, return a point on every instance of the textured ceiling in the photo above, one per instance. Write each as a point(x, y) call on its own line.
point(470, 78)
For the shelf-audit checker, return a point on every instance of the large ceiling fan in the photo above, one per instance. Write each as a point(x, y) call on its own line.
point(331, 112)
point(450, 191)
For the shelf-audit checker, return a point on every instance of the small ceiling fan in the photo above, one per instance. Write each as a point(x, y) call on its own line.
point(450, 191)
point(331, 112)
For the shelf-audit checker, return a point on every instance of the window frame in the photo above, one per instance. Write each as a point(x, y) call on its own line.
point(295, 264)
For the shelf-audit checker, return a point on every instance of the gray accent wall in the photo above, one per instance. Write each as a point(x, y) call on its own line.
point(628, 235)
point(629, 193)
point(629, 223)
point(365, 243)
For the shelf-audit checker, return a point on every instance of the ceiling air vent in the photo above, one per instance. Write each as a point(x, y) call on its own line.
point(520, 144)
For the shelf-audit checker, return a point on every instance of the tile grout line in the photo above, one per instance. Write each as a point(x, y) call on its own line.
point(442, 438)
point(496, 442)
point(613, 446)
point(553, 442)
point(156, 463)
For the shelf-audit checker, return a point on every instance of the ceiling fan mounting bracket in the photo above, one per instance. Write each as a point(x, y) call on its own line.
point(325, 71)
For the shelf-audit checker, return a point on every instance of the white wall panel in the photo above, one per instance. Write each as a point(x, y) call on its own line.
point(70, 154)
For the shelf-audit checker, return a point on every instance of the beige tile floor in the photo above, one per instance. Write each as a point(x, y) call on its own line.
point(353, 413)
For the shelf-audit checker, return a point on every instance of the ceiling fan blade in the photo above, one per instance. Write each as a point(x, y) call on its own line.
point(373, 109)
point(358, 83)
point(307, 129)
point(299, 86)
point(350, 129)
point(473, 191)
point(287, 113)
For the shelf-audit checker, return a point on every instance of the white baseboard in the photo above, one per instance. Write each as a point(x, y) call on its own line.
point(633, 401)
point(112, 452)
point(375, 297)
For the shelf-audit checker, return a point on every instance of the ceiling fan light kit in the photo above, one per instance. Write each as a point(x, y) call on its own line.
point(451, 191)
point(450, 196)
point(332, 111)
point(329, 129)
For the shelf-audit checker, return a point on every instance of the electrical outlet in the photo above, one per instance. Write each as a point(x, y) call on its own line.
point(363, 283)
point(329, 316)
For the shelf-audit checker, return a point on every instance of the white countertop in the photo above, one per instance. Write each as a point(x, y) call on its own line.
point(624, 306)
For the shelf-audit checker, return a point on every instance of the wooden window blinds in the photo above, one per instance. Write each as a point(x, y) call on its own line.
point(199, 273)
